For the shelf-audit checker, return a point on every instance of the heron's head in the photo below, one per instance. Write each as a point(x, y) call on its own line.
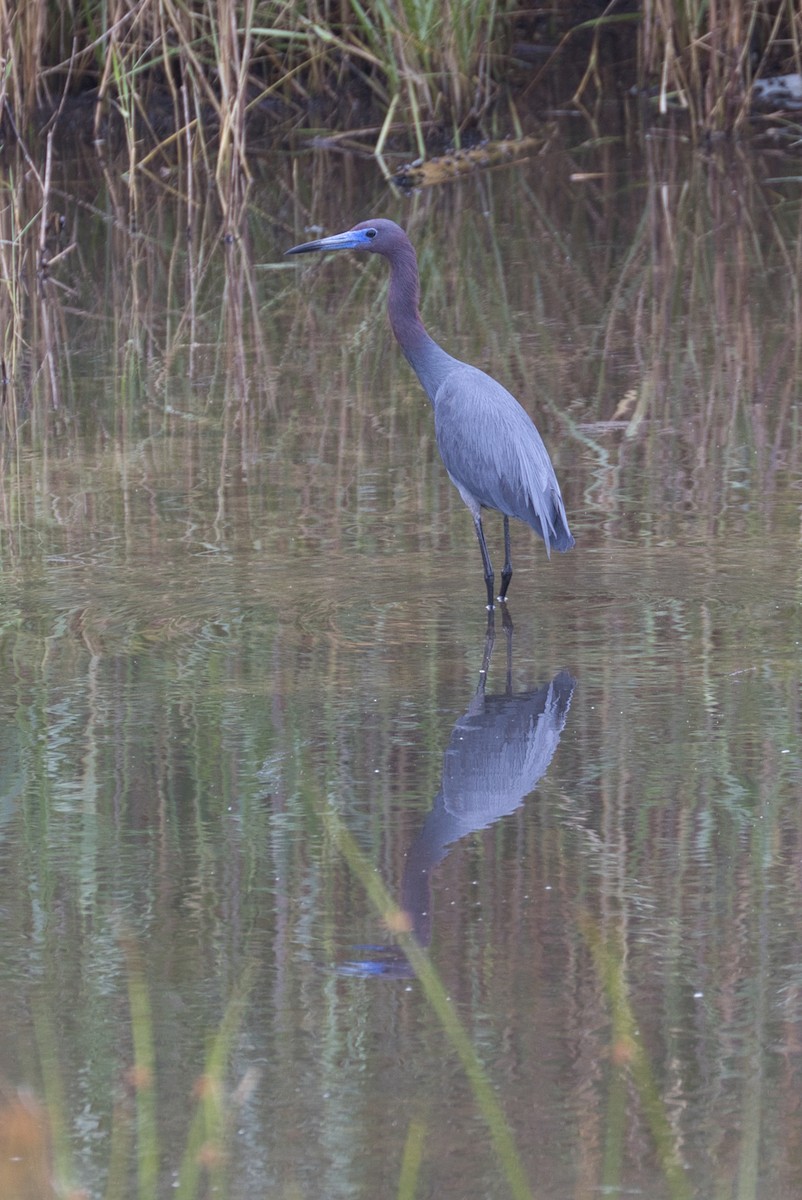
point(379, 237)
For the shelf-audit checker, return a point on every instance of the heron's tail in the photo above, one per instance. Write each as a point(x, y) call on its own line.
point(554, 529)
point(563, 538)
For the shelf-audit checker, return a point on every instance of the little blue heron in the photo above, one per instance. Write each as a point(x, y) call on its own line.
point(489, 445)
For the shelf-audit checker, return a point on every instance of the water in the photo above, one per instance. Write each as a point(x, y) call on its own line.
point(242, 620)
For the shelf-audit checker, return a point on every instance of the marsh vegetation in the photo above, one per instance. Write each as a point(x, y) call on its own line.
point(235, 634)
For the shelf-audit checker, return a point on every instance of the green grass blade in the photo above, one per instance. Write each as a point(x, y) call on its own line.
point(500, 1132)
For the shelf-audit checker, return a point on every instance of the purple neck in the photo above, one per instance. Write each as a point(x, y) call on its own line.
point(428, 360)
point(404, 298)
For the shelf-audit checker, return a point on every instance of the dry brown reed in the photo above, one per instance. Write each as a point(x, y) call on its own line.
point(183, 84)
point(31, 243)
point(703, 57)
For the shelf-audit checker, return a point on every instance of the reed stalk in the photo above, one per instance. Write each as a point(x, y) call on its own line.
point(501, 1135)
point(703, 56)
point(628, 1056)
point(142, 1075)
point(176, 76)
point(12, 233)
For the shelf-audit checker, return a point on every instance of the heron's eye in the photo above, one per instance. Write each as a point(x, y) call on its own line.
point(370, 233)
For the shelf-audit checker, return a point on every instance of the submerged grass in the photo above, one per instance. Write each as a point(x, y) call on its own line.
point(142, 1076)
point(37, 1161)
point(483, 1091)
point(628, 1057)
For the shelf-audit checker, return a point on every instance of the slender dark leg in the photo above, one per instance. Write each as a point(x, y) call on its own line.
point(506, 574)
point(490, 637)
point(488, 566)
point(508, 627)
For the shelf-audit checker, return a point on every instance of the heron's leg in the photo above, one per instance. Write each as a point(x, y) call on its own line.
point(506, 574)
point(488, 566)
point(490, 637)
point(508, 628)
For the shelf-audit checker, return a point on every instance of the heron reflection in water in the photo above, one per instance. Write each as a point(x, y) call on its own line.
point(498, 751)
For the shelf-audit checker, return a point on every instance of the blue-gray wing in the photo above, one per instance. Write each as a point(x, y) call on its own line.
point(495, 456)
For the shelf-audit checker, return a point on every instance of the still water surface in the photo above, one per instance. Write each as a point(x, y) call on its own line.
point(242, 611)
